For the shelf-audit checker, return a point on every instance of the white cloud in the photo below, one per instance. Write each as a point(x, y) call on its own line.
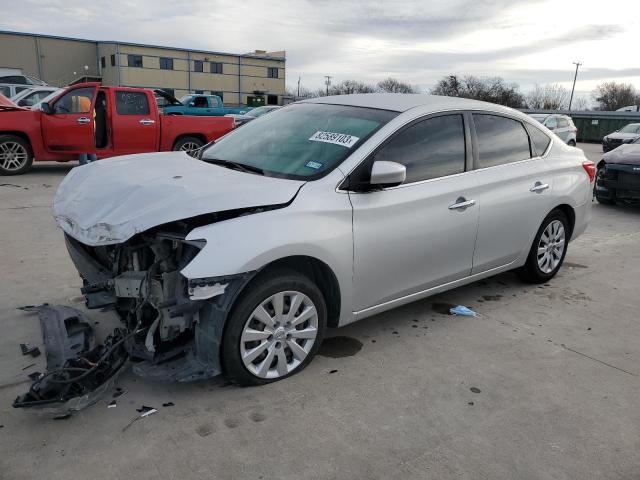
point(530, 41)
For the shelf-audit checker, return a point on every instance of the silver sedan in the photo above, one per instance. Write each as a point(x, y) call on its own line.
point(322, 213)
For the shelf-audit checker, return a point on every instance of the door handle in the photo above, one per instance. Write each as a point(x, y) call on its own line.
point(147, 121)
point(462, 203)
point(83, 120)
point(539, 187)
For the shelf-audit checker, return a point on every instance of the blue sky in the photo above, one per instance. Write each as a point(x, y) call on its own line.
point(526, 41)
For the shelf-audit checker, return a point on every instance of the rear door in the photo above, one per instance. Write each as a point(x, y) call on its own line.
point(69, 128)
point(135, 125)
point(514, 189)
point(419, 234)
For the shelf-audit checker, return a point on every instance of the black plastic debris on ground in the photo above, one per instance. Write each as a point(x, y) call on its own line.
point(144, 409)
point(168, 404)
point(119, 392)
point(28, 349)
point(34, 376)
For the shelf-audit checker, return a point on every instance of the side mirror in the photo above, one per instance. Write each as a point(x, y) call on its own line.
point(46, 108)
point(387, 174)
point(192, 104)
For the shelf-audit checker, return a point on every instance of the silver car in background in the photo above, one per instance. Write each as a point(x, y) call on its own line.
point(325, 212)
point(561, 125)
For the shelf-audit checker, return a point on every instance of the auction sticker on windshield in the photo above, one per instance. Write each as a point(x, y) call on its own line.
point(336, 138)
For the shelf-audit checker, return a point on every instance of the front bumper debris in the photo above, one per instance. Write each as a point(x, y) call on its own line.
point(78, 372)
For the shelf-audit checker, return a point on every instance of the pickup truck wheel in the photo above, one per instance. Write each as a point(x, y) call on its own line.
point(16, 156)
point(188, 144)
point(275, 328)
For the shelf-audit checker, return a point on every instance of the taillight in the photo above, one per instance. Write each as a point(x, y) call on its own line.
point(590, 168)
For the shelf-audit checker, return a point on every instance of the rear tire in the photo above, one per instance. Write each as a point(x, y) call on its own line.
point(188, 145)
point(16, 156)
point(271, 337)
point(545, 257)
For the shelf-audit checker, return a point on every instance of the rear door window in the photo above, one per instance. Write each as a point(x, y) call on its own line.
point(501, 140)
point(431, 148)
point(131, 103)
point(563, 123)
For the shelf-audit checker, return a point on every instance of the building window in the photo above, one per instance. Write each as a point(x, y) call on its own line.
point(198, 66)
point(218, 94)
point(216, 67)
point(134, 61)
point(103, 62)
point(166, 63)
point(272, 72)
point(113, 60)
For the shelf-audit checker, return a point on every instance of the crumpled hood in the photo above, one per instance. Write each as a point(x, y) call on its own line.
point(109, 201)
point(626, 154)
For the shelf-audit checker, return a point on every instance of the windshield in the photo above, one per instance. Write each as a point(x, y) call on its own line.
point(631, 128)
point(185, 99)
point(302, 141)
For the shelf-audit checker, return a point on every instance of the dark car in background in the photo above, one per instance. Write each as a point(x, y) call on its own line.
point(627, 134)
point(618, 175)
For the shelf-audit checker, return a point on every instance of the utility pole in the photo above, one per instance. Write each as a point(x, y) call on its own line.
point(298, 87)
point(327, 82)
point(577, 64)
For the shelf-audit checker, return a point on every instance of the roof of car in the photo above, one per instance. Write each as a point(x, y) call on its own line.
point(401, 102)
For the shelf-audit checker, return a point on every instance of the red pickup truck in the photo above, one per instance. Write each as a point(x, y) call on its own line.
point(90, 118)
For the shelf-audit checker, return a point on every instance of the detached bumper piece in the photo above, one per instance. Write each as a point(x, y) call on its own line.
point(78, 372)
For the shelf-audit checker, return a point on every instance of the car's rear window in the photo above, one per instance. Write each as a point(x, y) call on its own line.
point(301, 141)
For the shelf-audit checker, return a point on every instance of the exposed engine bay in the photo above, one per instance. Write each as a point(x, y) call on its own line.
point(172, 326)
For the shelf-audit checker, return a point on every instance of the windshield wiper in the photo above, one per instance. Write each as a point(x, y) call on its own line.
point(234, 165)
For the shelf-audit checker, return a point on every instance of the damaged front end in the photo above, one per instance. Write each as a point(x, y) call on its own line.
point(175, 323)
point(172, 326)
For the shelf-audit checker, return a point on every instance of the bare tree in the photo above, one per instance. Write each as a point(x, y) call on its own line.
point(488, 89)
point(548, 97)
point(580, 103)
point(391, 85)
point(350, 86)
point(612, 95)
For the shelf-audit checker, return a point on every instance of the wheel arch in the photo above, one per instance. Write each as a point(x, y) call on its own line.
point(318, 272)
point(199, 136)
point(20, 134)
point(570, 214)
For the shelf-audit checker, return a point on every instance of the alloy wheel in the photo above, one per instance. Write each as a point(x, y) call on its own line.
point(13, 156)
point(189, 147)
point(279, 334)
point(551, 246)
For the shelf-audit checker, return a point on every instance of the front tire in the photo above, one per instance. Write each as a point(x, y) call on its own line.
point(16, 156)
point(548, 250)
point(275, 328)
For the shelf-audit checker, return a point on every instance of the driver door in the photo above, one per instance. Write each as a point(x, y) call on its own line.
point(69, 128)
point(420, 234)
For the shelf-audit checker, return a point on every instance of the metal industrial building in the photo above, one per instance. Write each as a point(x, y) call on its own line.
point(240, 79)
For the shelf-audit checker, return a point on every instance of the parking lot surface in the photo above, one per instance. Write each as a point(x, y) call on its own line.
point(543, 384)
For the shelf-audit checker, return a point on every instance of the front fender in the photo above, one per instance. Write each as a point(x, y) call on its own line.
point(251, 242)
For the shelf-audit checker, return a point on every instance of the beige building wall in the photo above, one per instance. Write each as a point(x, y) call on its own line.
point(55, 59)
